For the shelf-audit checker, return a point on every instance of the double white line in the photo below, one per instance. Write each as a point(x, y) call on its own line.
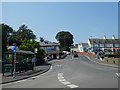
point(65, 82)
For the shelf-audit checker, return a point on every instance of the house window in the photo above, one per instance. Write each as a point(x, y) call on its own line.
point(96, 45)
point(116, 45)
point(101, 45)
point(109, 45)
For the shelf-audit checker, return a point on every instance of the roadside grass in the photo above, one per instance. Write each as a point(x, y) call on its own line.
point(111, 60)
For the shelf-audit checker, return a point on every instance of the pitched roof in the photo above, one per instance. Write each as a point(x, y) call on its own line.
point(48, 43)
point(20, 51)
point(85, 44)
point(103, 41)
point(25, 52)
point(73, 46)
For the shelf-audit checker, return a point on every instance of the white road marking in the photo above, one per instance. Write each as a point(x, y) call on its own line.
point(29, 78)
point(65, 82)
point(60, 74)
point(72, 86)
point(62, 80)
point(118, 74)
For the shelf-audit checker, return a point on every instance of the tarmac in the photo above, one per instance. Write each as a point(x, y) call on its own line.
point(42, 69)
point(8, 78)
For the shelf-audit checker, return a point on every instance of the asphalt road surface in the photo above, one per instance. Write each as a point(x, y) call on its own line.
point(72, 73)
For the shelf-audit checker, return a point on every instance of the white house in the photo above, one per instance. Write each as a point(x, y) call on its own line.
point(104, 44)
point(83, 47)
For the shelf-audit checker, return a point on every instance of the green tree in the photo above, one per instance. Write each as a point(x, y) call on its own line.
point(25, 33)
point(15, 38)
point(65, 39)
point(41, 39)
point(6, 32)
point(29, 45)
point(40, 56)
point(22, 34)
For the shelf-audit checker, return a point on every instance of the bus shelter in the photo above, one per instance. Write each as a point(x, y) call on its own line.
point(23, 61)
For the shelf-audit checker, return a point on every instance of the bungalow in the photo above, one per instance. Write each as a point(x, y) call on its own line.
point(51, 49)
point(74, 48)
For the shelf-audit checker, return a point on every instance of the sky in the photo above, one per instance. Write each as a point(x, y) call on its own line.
point(46, 19)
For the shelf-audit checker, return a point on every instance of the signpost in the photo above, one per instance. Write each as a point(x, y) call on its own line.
point(14, 51)
point(34, 59)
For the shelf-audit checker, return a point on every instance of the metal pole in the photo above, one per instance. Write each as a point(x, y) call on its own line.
point(64, 43)
point(14, 71)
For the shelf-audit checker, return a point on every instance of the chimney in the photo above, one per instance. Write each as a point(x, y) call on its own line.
point(113, 37)
point(104, 37)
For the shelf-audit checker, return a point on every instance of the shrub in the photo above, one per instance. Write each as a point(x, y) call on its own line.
point(109, 55)
point(117, 54)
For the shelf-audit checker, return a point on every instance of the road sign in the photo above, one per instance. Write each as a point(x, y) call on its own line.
point(14, 49)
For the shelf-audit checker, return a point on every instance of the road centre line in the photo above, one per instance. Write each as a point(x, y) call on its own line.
point(72, 86)
point(65, 82)
point(60, 78)
point(118, 74)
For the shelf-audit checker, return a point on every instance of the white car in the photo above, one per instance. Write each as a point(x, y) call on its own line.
point(66, 52)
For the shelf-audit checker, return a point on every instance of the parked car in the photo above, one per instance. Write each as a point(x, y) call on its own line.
point(66, 52)
point(75, 55)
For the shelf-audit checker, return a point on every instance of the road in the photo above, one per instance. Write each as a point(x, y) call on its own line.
point(72, 73)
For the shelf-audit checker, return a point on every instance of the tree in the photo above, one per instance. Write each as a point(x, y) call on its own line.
point(65, 39)
point(22, 34)
point(40, 56)
point(25, 33)
point(41, 39)
point(6, 32)
point(15, 38)
point(29, 45)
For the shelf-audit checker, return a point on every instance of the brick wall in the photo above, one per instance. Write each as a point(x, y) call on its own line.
point(88, 54)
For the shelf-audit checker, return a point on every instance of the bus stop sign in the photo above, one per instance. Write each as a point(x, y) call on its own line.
point(14, 49)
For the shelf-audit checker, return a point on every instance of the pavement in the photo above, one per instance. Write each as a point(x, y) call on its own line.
point(7, 78)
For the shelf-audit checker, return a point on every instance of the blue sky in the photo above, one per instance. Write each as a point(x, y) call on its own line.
point(82, 19)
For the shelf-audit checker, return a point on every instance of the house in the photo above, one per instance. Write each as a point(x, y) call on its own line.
point(104, 44)
point(83, 47)
point(74, 48)
point(51, 49)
